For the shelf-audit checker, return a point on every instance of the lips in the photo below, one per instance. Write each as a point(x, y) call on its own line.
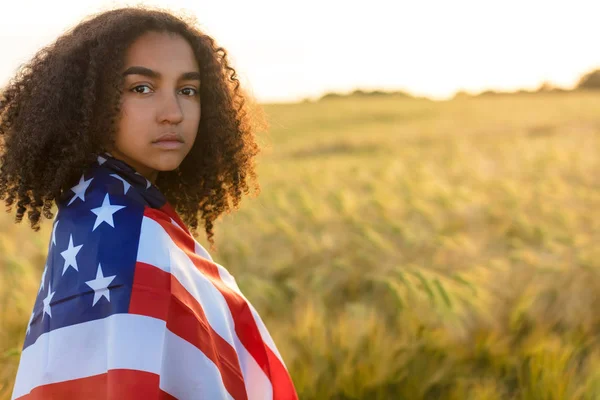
point(169, 137)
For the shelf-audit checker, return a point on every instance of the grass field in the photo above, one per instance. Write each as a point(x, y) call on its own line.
point(408, 249)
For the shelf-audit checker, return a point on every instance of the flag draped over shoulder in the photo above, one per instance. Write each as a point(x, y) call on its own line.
point(130, 306)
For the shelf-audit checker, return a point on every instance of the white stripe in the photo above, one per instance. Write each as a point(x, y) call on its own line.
point(229, 280)
point(158, 249)
point(264, 333)
point(120, 341)
point(201, 251)
point(191, 375)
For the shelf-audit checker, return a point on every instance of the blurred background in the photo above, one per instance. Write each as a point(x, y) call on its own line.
point(429, 222)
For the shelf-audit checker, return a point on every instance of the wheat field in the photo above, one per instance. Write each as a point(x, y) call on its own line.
point(407, 249)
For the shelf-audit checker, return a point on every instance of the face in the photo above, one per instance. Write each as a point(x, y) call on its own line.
point(161, 97)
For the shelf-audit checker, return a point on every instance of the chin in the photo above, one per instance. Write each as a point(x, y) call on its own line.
point(165, 167)
point(168, 165)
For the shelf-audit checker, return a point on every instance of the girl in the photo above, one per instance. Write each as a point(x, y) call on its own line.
point(133, 123)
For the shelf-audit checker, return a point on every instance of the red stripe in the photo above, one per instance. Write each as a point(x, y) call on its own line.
point(115, 384)
point(168, 209)
point(284, 389)
point(158, 294)
point(245, 325)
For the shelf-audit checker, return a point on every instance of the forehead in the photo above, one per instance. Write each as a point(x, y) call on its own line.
point(162, 52)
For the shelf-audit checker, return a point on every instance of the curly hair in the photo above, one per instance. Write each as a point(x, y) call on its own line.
point(59, 112)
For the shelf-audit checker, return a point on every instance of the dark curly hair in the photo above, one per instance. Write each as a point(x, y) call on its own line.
point(59, 112)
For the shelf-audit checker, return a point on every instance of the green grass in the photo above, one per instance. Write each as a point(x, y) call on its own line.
point(408, 249)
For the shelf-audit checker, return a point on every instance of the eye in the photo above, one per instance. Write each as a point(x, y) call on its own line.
point(194, 91)
point(140, 86)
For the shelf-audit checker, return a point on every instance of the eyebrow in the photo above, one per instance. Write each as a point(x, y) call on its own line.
point(136, 70)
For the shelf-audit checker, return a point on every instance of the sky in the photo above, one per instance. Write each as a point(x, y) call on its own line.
point(292, 50)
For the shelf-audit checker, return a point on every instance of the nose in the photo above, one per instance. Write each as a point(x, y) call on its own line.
point(170, 110)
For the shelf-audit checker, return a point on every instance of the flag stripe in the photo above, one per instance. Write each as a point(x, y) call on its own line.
point(115, 384)
point(229, 280)
point(188, 374)
point(244, 321)
point(120, 341)
point(156, 293)
point(286, 389)
point(170, 258)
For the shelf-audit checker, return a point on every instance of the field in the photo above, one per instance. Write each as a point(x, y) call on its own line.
point(408, 249)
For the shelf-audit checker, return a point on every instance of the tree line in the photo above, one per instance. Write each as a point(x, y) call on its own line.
point(589, 81)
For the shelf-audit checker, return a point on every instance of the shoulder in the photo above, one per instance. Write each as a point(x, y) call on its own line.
point(94, 240)
point(97, 184)
point(99, 206)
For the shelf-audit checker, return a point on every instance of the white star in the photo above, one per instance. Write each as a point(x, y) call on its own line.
point(101, 160)
point(29, 324)
point(100, 285)
point(126, 184)
point(69, 255)
point(105, 212)
point(43, 277)
point(80, 189)
point(54, 232)
point(47, 301)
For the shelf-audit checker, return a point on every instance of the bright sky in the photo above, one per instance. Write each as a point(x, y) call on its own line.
point(287, 51)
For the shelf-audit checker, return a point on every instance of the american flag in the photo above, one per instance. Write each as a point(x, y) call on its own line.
point(130, 306)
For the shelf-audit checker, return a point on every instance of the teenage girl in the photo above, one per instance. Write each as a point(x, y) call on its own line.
point(134, 125)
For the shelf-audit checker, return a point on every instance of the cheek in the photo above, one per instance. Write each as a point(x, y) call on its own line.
point(134, 112)
point(192, 121)
point(193, 114)
point(133, 125)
